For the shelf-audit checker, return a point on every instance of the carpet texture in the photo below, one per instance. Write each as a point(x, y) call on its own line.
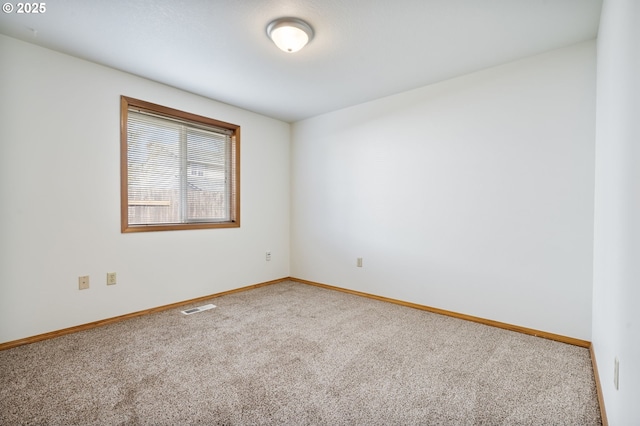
point(290, 353)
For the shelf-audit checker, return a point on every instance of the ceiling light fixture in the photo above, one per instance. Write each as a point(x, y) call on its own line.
point(290, 34)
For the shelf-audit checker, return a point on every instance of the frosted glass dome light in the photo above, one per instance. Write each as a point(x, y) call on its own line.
point(290, 34)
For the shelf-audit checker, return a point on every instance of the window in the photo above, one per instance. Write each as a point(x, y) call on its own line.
point(178, 170)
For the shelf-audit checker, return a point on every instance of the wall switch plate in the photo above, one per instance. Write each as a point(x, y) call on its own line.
point(83, 282)
point(359, 262)
point(616, 373)
point(268, 256)
point(111, 278)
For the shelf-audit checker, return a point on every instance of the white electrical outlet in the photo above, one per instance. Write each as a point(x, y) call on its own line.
point(111, 278)
point(616, 373)
point(359, 262)
point(83, 282)
point(268, 256)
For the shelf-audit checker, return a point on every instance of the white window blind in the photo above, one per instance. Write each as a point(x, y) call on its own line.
point(178, 172)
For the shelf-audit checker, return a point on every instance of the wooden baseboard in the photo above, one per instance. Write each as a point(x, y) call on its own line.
point(596, 375)
point(537, 333)
point(88, 326)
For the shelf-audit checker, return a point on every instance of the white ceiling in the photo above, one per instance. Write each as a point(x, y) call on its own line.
point(362, 50)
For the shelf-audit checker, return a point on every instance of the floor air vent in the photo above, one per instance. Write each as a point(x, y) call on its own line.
point(198, 309)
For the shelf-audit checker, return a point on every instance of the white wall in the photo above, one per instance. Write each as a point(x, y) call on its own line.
point(473, 195)
point(60, 205)
point(616, 292)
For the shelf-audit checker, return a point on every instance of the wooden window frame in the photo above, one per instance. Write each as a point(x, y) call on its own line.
point(125, 104)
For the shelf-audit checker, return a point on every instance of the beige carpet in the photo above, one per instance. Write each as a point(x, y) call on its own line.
point(296, 354)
